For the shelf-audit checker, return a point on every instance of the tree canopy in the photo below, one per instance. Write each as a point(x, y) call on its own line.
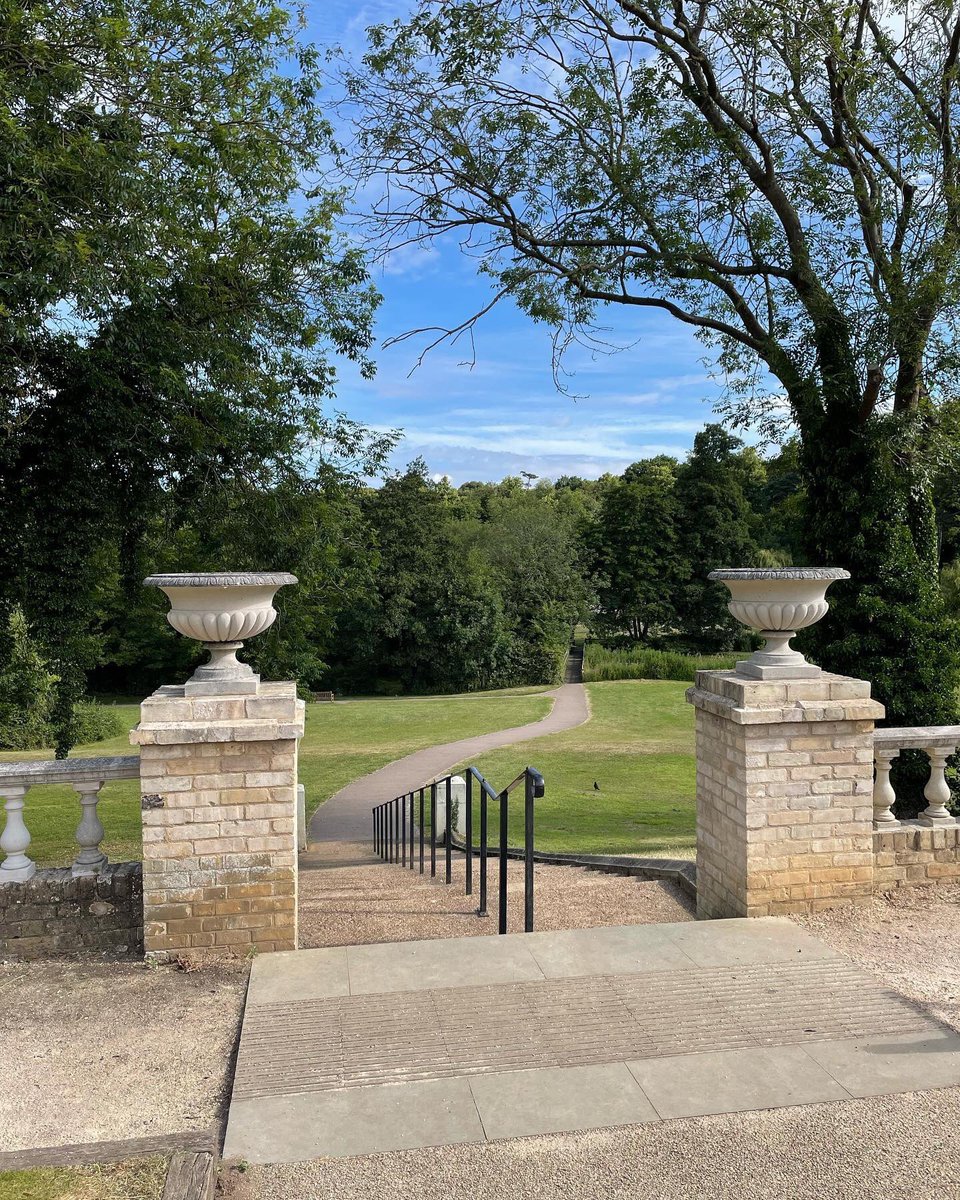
point(780, 176)
point(172, 286)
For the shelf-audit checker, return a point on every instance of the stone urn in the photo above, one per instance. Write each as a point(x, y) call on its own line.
point(221, 611)
point(777, 603)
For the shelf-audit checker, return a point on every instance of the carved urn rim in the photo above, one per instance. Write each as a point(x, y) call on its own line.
point(763, 573)
point(223, 579)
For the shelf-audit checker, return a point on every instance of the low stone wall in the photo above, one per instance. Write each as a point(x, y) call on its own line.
point(54, 915)
point(913, 854)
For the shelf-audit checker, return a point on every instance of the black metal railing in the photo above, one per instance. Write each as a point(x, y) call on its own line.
point(395, 832)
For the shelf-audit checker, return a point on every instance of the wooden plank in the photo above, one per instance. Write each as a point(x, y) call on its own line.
point(190, 1176)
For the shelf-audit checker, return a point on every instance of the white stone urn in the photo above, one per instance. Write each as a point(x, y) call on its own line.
point(221, 611)
point(777, 602)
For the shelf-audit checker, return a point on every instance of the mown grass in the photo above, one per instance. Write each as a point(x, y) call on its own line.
point(639, 662)
point(638, 748)
point(142, 1179)
point(342, 741)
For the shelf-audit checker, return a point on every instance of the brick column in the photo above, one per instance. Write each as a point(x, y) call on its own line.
point(784, 793)
point(218, 784)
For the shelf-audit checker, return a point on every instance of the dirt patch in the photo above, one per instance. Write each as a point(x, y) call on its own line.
point(108, 1051)
point(909, 938)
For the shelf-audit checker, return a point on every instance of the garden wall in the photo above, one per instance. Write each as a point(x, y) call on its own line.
point(57, 915)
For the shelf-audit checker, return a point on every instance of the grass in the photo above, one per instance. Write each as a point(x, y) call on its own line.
point(639, 662)
point(342, 741)
point(139, 1180)
point(638, 747)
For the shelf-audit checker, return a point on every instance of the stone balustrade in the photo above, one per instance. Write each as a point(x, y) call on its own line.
point(938, 742)
point(87, 776)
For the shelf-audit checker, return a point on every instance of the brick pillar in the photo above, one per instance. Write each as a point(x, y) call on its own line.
point(784, 793)
point(218, 783)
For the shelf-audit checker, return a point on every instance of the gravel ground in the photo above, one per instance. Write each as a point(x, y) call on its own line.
point(347, 899)
point(109, 1051)
point(904, 1147)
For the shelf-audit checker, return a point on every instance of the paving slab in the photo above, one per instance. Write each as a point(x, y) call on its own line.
point(559, 1100)
point(399, 1116)
point(903, 1063)
point(295, 975)
point(422, 965)
point(725, 1081)
point(617, 949)
point(465, 1039)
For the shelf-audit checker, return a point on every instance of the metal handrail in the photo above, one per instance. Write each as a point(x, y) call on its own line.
point(393, 837)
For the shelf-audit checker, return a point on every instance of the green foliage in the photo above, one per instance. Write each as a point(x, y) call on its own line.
point(26, 689)
point(640, 662)
point(801, 216)
point(173, 288)
point(473, 588)
point(27, 697)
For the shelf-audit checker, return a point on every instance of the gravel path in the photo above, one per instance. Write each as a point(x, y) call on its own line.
point(347, 899)
point(345, 817)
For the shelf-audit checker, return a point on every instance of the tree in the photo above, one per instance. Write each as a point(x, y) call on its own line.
point(713, 524)
point(635, 554)
point(172, 285)
point(782, 177)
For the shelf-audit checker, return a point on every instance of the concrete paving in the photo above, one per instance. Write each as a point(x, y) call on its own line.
point(345, 817)
point(356, 1050)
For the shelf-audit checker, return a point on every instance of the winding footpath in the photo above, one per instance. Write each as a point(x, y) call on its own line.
point(345, 817)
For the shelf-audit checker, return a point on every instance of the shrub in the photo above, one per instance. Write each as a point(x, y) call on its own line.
point(27, 695)
point(639, 662)
point(26, 689)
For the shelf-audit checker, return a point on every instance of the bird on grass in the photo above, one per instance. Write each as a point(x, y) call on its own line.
point(596, 786)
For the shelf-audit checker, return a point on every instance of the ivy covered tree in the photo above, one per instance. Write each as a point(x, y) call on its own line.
point(171, 286)
point(783, 177)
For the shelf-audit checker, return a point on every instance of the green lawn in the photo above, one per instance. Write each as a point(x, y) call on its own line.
point(342, 741)
point(638, 746)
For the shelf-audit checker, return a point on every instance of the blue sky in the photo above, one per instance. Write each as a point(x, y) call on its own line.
point(504, 415)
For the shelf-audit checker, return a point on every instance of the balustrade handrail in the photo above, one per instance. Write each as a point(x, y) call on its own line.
point(87, 776)
point(390, 832)
point(939, 743)
point(66, 770)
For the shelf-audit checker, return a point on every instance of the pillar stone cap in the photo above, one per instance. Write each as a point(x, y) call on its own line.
point(765, 702)
point(171, 716)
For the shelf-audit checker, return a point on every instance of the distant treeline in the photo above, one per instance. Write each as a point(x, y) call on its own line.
point(417, 585)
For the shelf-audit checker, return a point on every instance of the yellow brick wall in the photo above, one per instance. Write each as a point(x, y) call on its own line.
point(218, 786)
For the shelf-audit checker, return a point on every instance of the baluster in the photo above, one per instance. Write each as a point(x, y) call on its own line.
point(937, 790)
point(91, 860)
point(883, 793)
point(16, 866)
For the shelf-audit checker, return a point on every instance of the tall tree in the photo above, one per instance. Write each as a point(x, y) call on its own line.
point(172, 284)
point(782, 176)
point(635, 553)
point(714, 521)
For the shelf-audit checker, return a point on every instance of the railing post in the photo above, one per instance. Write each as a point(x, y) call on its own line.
point(390, 831)
point(468, 816)
point(421, 831)
point(448, 836)
point(433, 829)
point(91, 860)
point(528, 796)
point(16, 866)
point(411, 830)
point(482, 910)
point(883, 793)
point(402, 803)
point(504, 799)
point(937, 791)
